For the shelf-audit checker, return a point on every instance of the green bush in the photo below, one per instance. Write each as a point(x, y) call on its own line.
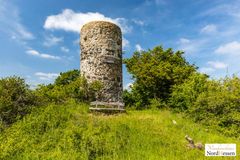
point(69, 85)
point(214, 103)
point(219, 106)
point(155, 72)
point(128, 98)
point(184, 95)
point(67, 77)
point(157, 104)
point(15, 99)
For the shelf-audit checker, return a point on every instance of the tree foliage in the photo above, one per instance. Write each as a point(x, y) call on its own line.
point(219, 106)
point(67, 77)
point(68, 85)
point(184, 95)
point(15, 99)
point(155, 72)
point(214, 103)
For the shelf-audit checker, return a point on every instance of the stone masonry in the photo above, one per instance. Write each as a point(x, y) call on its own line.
point(101, 58)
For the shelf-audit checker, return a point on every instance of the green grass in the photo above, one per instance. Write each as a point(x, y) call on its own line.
point(70, 132)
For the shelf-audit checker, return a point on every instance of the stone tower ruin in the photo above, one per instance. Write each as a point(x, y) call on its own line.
point(101, 58)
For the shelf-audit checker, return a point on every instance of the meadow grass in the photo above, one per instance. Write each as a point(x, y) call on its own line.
point(71, 132)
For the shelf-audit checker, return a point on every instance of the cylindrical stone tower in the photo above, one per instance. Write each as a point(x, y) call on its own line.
point(101, 58)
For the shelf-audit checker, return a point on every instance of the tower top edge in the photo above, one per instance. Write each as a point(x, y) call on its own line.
point(99, 24)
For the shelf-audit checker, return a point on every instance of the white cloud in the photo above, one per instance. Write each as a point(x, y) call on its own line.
point(46, 76)
point(72, 21)
point(217, 64)
point(52, 40)
point(11, 22)
point(206, 70)
point(138, 47)
point(125, 43)
point(190, 46)
point(209, 29)
point(64, 49)
point(186, 45)
point(214, 67)
point(138, 22)
point(232, 48)
point(41, 55)
point(230, 53)
point(22, 32)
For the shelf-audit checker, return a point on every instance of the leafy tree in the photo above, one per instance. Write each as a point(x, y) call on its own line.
point(68, 85)
point(15, 99)
point(67, 77)
point(155, 72)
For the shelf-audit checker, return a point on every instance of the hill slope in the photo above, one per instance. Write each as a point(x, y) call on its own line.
point(70, 132)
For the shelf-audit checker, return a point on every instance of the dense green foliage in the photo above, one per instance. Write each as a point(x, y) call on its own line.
point(215, 103)
point(67, 77)
point(70, 132)
point(155, 72)
point(184, 95)
point(69, 85)
point(15, 99)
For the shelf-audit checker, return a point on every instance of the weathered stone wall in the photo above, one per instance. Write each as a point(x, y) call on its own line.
point(101, 58)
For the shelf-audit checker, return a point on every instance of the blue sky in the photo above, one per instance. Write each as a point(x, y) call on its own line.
point(39, 39)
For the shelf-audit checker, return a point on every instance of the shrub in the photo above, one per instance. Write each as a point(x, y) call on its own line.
point(155, 73)
point(128, 98)
point(219, 105)
point(157, 104)
point(15, 99)
point(69, 85)
point(67, 77)
point(184, 95)
point(214, 103)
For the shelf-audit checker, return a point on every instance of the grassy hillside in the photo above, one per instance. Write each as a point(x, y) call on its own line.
point(70, 132)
